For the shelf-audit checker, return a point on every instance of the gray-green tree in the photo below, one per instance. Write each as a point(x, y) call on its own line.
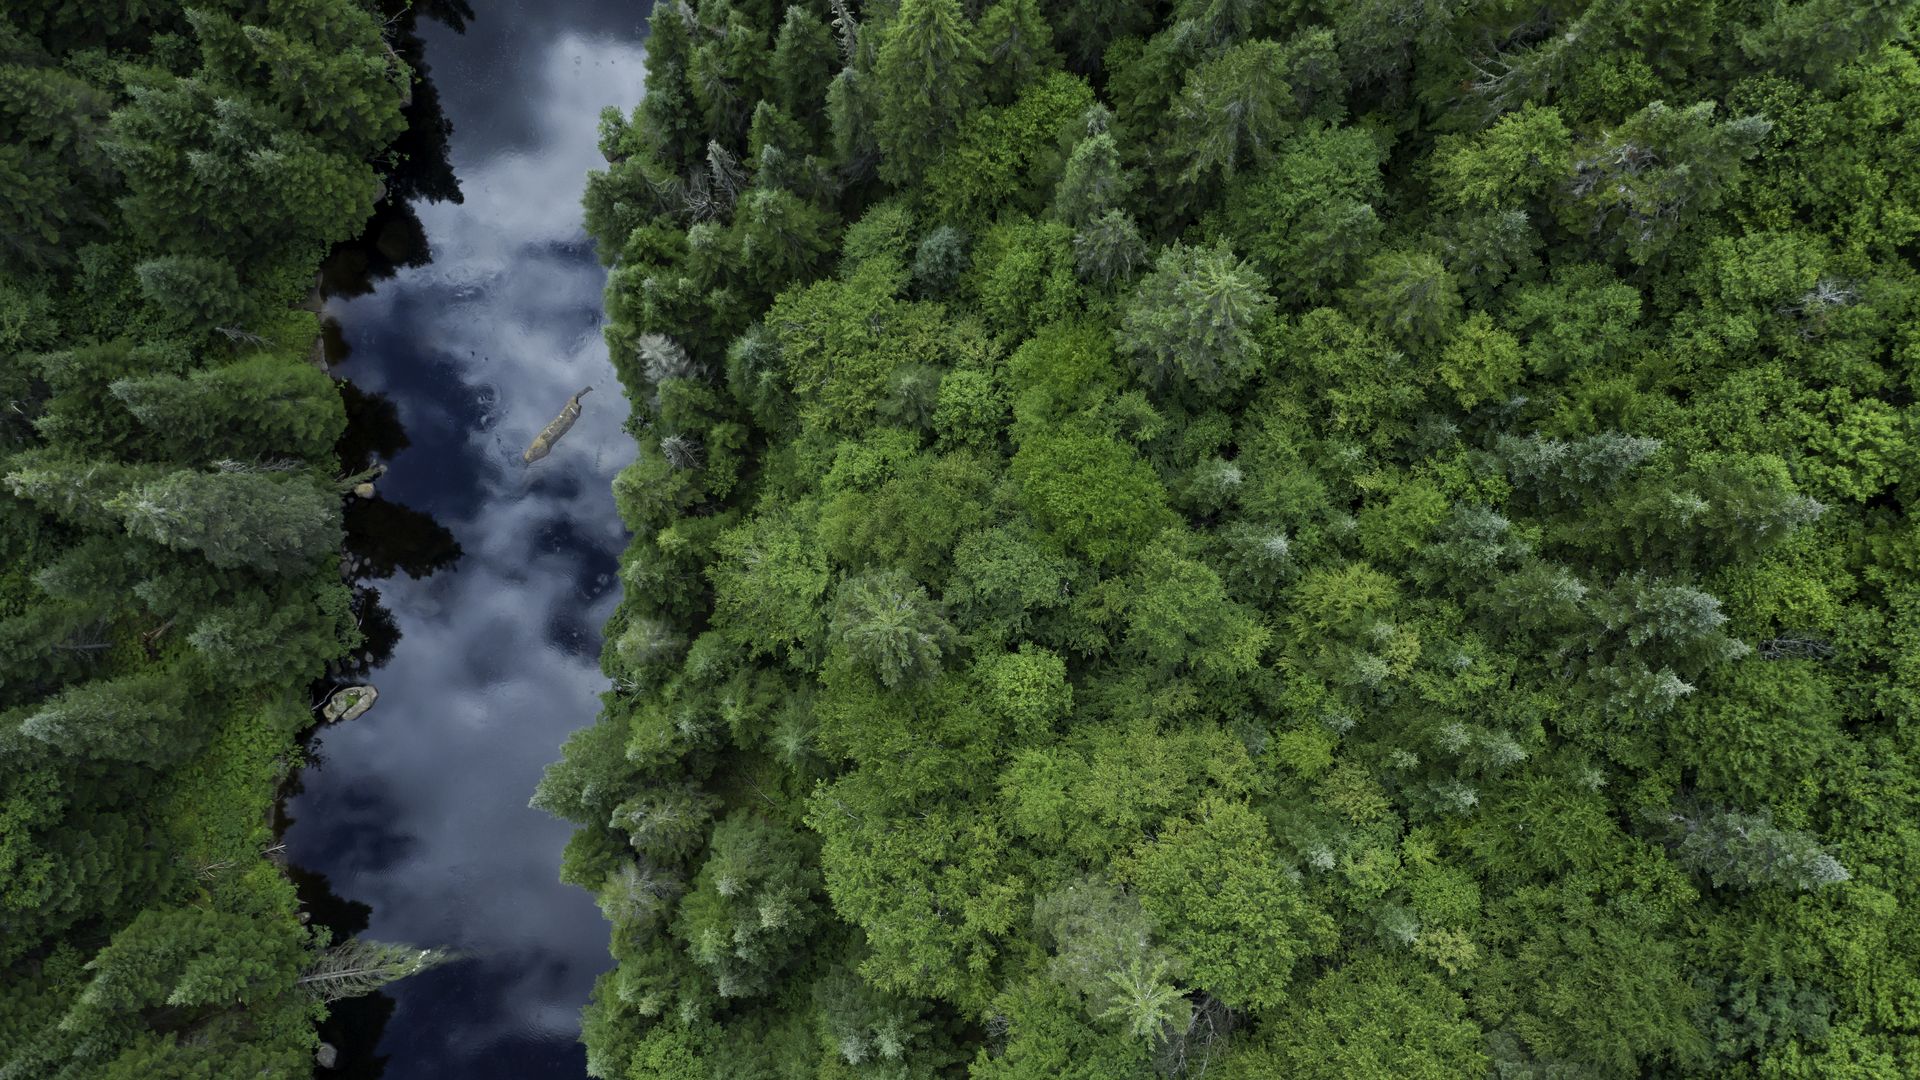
point(1193, 323)
point(277, 521)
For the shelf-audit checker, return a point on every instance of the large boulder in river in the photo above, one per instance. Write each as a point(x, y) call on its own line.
point(349, 703)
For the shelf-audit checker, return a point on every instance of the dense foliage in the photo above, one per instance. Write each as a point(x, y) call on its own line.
point(1337, 538)
point(170, 519)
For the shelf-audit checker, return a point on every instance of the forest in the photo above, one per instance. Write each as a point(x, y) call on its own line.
point(171, 506)
point(1305, 538)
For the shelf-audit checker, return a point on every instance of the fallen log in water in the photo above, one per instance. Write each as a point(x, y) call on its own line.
point(543, 442)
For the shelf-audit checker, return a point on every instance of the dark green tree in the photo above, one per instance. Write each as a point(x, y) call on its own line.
point(1637, 186)
point(1016, 44)
point(923, 82)
point(143, 718)
point(267, 406)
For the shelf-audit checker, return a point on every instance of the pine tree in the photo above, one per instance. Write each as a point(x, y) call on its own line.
point(804, 59)
point(1571, 472)
point(1235, 107)
point(332, 74)
point(1094, 181)
point(1108, 249)
point(1016, 46)
point(668, 116)
point(277, 637)
point(874, 1034)
point(924, 83)
point(752, 905)
point(853, 114)
point(939, 261)
point(75, 491)
point(278, 522)
point(94, 570)
point(265, 406)
point(142, 718)
point(890, 627)
point(1735, 849)
point(204, 292)
point(1639, 184)
point(1410, 296)
point(1193, 323)
point(1817, 39)
point(53, 171)
point(781, 237)
point(357, 967)
point(666, 824)
point(637, 897)
point(185, 962)
point(725, 71)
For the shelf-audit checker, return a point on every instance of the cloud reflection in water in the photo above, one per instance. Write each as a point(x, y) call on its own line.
point(420, 808)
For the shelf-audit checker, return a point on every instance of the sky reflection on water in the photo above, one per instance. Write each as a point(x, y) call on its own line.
point(419, 809)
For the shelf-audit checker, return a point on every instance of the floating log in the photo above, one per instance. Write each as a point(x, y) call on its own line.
point(543, 442)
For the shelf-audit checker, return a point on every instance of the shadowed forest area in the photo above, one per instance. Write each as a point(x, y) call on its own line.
point(1298, 539)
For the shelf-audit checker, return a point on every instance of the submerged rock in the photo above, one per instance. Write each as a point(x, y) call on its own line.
point(349, 703)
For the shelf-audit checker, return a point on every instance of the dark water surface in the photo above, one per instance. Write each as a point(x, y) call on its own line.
point(413, 825)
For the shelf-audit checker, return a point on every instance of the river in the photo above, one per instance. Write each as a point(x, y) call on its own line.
point(411, 823)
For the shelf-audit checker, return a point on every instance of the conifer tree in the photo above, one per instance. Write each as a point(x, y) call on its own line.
point(1108, 249)
point(277, 522)
point(266, 406)
point(751, 907)
point(1194, 321)
point(1094, 182)
point(1016, 45)
point(668, 115)
point(1740, 850)
point(1235, 107)
point(890, 627)
point(79, 492)
point(357, 967)
point(1639, 184)
point(1410, 296)
point(666, 824)
point(923, 83)
point(1818, 38)
point(805, 57)
point(204, 292)
point(53, 171)
point(142, 718)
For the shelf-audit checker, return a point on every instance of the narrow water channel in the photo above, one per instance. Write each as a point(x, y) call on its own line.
point(412, 824)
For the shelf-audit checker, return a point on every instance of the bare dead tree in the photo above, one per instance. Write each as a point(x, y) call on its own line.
point(1794, 648)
